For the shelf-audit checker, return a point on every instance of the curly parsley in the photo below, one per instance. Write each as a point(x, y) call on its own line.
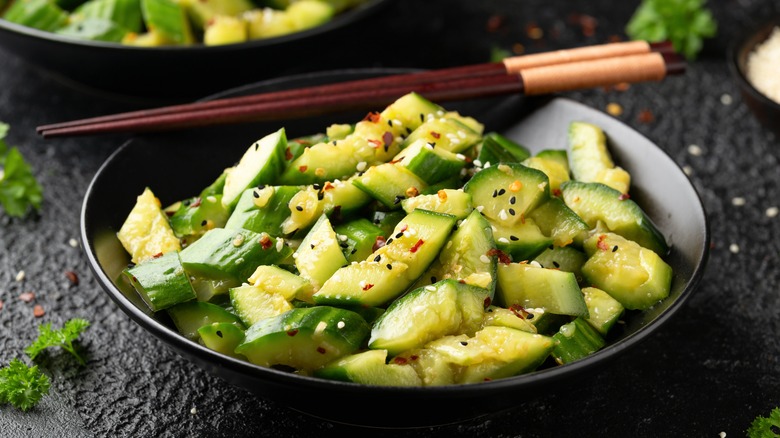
point(686, 23)
point(19, 190)
point(22, 386)
point(63, 338)
point(766, 427)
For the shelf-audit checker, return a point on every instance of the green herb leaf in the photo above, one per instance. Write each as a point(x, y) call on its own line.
point(63, 338)
point(19, 190)
point(22, 386)
point(686, 23)
point(766, 427)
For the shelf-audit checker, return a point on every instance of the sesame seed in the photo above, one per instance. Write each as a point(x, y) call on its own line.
point(614, 109)
point(484, 258)
point(361, 166)
point(772, 211)
point(738, 201)
point(695, 150)
point(430, 288)
point(194, 410)
point(726, 99)
point(688, 170)
point(503, 240)
point(73, 243)
point(20, 276)
point(734, 248)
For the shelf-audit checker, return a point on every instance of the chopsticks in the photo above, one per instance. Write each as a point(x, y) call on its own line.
point(542, 73)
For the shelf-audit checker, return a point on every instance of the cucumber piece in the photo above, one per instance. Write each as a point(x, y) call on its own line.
point(281, 281)
point(512, 318)
point(533, 286)
point(428, 313)
point(304, 338)
point(305, 14)
point(469, 256)
point(262, 209)
point(507, 192)
point(374, 141)
point(447, 133)
point(161, 281)
point(388, 220)
point(190, 316)
point(430, 163)
point(208, 289)
point(391, 269)
point(546, 323)
point(168, 20)
point(216, 187)
point(431, 367)
point(261, 164)
point(337, 199)
point(604, 310)
point(195, 216)
point(576, 340)
point(232, 254)
point(268, 23)
point(222, 337)
point(454, 183)
point(358, 238)
point(253, 303)
point(38, 14)
point(521, 242)
point(595, 202)
point(146, 232)
point(370, 368)
point(590, 160)
point(496, 149)
point(565, 258)
point(225, 29)
point(493, 353)
point(554, 164)
point(319, 254)
point(95, 29)
point(390, 184)
point(126, 14)
point(201, 12)
point(450, 201)
point(635, 276)
point(556, 220)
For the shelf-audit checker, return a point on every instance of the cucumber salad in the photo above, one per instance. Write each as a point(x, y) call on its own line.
point(173, 22)
point(410, 248)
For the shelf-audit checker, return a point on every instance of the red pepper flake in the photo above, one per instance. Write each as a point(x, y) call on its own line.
point(487, 302)
point(303, 169)
point(398, 360)
point(534, 31)
point(376, 144)
point(435, 135)
point(557, 193)
point(378, 243)
point(27, 297)
point(38, 311)
point(403, 228)
point(195, 203)
point(622, 86)
point(388, 138)
point(614, 38)
point(518, 49)
point(588, 25)
point(522, 218)
point(646, 116)
point(265, 242)
point(502, 256)
point(1, 304)
point(519, 311)
point(601, 244)
point(72, 277)
point(157, 256)
point(321, 350)
point(328, 186)
point(416, 246)
point(367, 286)
point(373, 117)
point(495, 23)
point(288, 154)
point(292, 333)
point(624, 196)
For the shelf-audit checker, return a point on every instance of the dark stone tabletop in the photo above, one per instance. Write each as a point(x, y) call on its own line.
point(708, 371)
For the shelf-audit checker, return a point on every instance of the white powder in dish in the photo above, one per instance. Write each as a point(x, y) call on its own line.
point(763, 66)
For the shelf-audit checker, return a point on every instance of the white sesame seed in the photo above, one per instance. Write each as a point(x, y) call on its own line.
point(688, 170)
point(503, 240)
point(695, 150)
point(477, 163)
point(772, 211)
point(484, 259)
point(361, 166)
point(194, 410)
point(340, 324)
point(479, 208)
point(279, 244)
point(502, 215)
point(460, 156)
point(430, 288)
point(343, 237)
point(73, 243)
point(738, 201)
point(726, 99)
point(20, 276)
point(734, 248)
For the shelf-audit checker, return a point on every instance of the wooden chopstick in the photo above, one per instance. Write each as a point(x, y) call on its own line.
point(479, 80)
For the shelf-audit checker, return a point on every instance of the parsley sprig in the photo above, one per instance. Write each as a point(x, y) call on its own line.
point(686, 23)
point(23, 386)
point(766, 427)
point(19, 190)
point(63, 338)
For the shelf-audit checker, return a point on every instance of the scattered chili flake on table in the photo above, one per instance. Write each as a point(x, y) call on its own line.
point(27, 297)
point(588, 25)
point(1, 304)
point(614, 109)
point(495, 23)
point(72, 277)
point(534, 31)
point(38, 311)
point(646, 116)
point(518, 49)
point(622, 86)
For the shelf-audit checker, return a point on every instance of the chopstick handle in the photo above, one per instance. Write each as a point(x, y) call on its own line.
point(516, 64)
point(594, 73)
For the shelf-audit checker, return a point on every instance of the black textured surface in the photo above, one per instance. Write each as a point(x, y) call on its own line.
point(712, 368)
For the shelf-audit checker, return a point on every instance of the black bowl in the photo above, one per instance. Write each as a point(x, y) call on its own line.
point(174, 73)
point(766, 110)
point(176, 165)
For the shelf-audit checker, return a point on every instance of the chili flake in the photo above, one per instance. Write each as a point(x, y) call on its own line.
point(374, 143)
point(1, 304)
point(646, 116)
point(519, 311)
point(292, 333)
point(502, 256)
point(400, 360)
point(288, 154)
point(516, 186)
point(27, 297)
point(411, 192)
point(321, 350)
point(303, 169)
point(38, 311)
point(265, 241)
point(435, 135)
point(601, 244)
point(416, 246)
point(367, 286)
point(72, 277)
point(373, 117)
point(388, 138)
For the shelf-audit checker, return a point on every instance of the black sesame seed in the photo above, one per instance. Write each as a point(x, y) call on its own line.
point(203, 223)
point(556, 264)
point(257, 195)
point(512, 200)
point(433, 279)
point(422, 117)
point(299, 208)
point(501, 192)
point(614, 248)
point(389, 266)
point(389, 241)
point(377, 258)
point(354, 250)
point(512, 211)
point(495, 193)
point(399, 235)
point(514, 238)
point(464, 343)
point(219, 333)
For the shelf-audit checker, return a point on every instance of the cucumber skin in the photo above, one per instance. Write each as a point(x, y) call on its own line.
point(161, 282)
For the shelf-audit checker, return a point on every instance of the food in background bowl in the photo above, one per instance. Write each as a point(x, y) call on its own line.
point(763, 66)
point(174, 22)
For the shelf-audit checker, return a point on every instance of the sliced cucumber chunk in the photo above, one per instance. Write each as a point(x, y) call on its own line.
point(576, 340)
point(319, 254)
point(450, 201)
point(190, 316)
point(222, 337)
point(507, 192)
point(530, 286)
point(262, 210)
point(370, 368)
point(590, 160)
point(261, 164)
point(161, 281)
